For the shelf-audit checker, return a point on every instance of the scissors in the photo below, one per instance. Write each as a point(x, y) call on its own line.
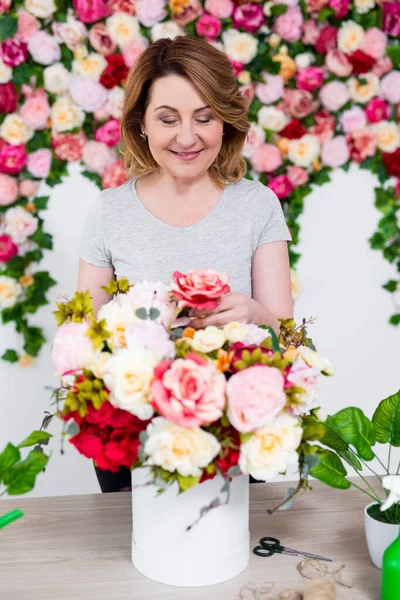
point(270, 545)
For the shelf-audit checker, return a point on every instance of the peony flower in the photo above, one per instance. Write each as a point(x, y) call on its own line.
point(255, 137)
point(304, 151)
point(28, 188)
point(71, 33)
point(19, 224)
point(100, 39)
point(44, 48)
point(27, 25)
point(374, 43)
point(69, 146)
point(249, 17)
point(382, 66)
point(324, 126)
point(294, 130)
point(310, 79)
point(114, 175)
point(310, 33)
point(89, 67)
point(12, 158)
point(90, 11)
point(209, 339)
point(313, 359)
point(337, 63)
point(183, 15)
point(361, 62)
point(364, 89)
point(352, 119)
point(174, 448)
point(36, 111)
point(289, 25)
point(297, 176)
point(8, 98)
point(150, 12)
point(148, 295)
point(66, 115)
point(151, 336)
point(304, 60)
point(391, 483)
point(109, 133)
point(132, 50)
point(42, 9)
point(391, 18)
point(287, 66)
point(269, 117)
point(334, 95)
point(266, 158)
point(13, 52)
point(8, 190)
point(326, 40)
point(350, 37)
point(7, 248)
point(56, 79)
point(208, 26)
point(166, 29)
point(305, 377)
point(124, 28)
point(72, 350)
point(116, 71)
point(315, 5)
point(390, 87)
point(271, 90)
point(362, 144)
point(39, 163)
point(236, 332)
point(335, 152)
point(115, 102)
point(87, 94)
point(190, 393)
point(10, 291)
point(376, 110)
point(392, 162)
point(200, 288)
point(387, 136)
point(341, 7)
point(15, 131)
point(222, 9)
point(363, 6)
point(299, 103)
point(271, 449)
point(281, 185)
point(241, 47)
point(97, 156)
point(247, 91)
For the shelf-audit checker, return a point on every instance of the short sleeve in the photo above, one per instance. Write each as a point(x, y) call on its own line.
point(93, 249)
point(272, 222)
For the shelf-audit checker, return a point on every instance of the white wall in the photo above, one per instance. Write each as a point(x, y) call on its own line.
point(341, 279)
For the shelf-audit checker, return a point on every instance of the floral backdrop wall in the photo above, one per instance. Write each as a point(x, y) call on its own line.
point(321, 76)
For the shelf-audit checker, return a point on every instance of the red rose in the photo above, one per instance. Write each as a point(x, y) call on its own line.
point(115, 72)
point(8, 98)
point(293, 130)
point(228, 456)
point(361, 62)
point(391, 18)
point(327, 39)
point(392, 163)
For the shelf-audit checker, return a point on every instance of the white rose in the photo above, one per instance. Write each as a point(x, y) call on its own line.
point(19, 224)
point(387, 135)
point(56, 79)
point(66, 115)
point(269, 117)
point(128, 375)
point(208, 339)
point(10, 291)
point(15, 131)
point(304, 151)
point(364, 6)
point(115, 102)
point(71, 33)
point(239, 46)
point(181, 449)
point(123, 28)
point(235, 332)
point(90, 67)
point(271, 449)
point(313, 359)
point(350, 37)
point(40, 8)
point(117, 319)
point(5, 72)
point(99, 364)
point(363, 92)
point(255, 335)
point(167, 29)
point(304, 60)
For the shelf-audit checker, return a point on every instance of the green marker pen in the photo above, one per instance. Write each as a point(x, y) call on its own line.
point(9, 517)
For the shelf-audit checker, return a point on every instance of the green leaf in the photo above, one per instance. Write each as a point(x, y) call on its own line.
point(154, 314)
point(234, 471)
point(395, 319)
point(10, 356)
point(275, 341)
point(394, 53)
point(386, 420)
point(41, 202)
point(330, 470)
point(390, 286)
point(185, 483)
point(141, 313)
point(311, 460)
point(325, 14)
point(288, 497)
point(351, 459)
point(278, 9)
point(356, 429)
point(8, 27)
point(42, 239)
point(36, 437)
point(8, 458)
point(20, 479)
point(321, 432)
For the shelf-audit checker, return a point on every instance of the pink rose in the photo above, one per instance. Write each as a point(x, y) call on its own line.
point(133, 50)
point(126, 6)
point(114, 175)
point(362, 144)
point(382, 66)
point(5, 6)
point(190, 393)
point(390, 87)
point(8, 190)
point(238, 67)
point(335, 152)
point(310, 79)
point(189, 13)
point(249, 17)
point(109, 133)
point(88, 94)
point(377, 110)
point(374, 43)
point(27, 25)
point(341, 7)
point(39, 163)
point(326, 40)
point(97, 156)
point(391, 18)
point(19, 224)
point(69, 146)
point(315, 5)
point(44, 48)
point(271, 90)
point(266, 158)
point(12, 158)
point(256, 396)
point(334, 95)
point(297, 176)
point(255, 137)
point(71, 349)
point(289, 25)
point(310, 33)
point(337, 63)
point(247, 92)
point(100, 39)
point(90, 11)
point(324, 126)
point(28, 187)
point(281, 185)
point(7, 248)
point(299, 103)
point(13, 52)
point(150, 12)
point(36, 110)
point(200, 288)
point(353, 119)
point(208, 26)
point(222, 9)
point(305, 377)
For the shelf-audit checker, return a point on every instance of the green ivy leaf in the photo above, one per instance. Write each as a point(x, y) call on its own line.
point(395, 319)
point(10, 356)
point(394, 53)
point(8, 26)
point(20, 479)
point(36, 437)
point(8, 458)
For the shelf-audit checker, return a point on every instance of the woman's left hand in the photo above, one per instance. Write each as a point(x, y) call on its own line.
point(231, 307)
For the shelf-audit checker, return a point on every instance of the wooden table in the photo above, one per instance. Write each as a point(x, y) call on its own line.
point(78, 547)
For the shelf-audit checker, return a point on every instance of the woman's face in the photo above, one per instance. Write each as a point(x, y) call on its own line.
point(184, 135)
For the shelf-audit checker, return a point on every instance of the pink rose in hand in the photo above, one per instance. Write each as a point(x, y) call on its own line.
point(7, 248)
point(200, 288)
point(256, 396)
point(190, 393)
point(266, 158)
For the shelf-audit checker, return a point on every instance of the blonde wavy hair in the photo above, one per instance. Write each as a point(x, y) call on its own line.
point(211, 73)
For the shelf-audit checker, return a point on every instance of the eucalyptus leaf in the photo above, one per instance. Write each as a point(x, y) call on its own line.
point(288, 497)
point(141, 313)
point(386, 420)
point(72, 428)
point(154, 314)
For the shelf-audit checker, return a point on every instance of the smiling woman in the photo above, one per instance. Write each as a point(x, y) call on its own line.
point(187, 204)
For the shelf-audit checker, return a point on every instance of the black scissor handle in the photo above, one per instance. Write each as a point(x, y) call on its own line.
point(267, 545)
point(263, 551)
point(269, 541)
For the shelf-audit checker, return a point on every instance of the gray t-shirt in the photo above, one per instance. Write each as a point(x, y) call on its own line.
point(120, 232)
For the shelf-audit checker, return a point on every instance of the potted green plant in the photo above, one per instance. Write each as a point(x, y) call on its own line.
point(18, 474)
point(349, 436)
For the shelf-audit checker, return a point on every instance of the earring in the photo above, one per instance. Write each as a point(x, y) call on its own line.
point(143, 135)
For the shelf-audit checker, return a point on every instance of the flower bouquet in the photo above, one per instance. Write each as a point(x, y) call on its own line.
point(181, 407)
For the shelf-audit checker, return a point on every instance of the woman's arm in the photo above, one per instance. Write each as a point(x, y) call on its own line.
point(91, 278)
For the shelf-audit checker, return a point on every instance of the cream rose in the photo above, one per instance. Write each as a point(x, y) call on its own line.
point(99, 364)
point(123, 28)
point(118, 318)
point(304, 60)
point(89, 67)
point(313, 359)
point(175, 448)
point(362, 90)
point(364, 6)
point(5, 72)
point(271, 449)
point(15, 131)
point(350, 37)
point(236, 332)
point(241, 47)
point(269, 117)
point(387, 135)
point(208, 339)
point(56, 79)
point(167, 29)
point(40, 8)
point(10, 291)
point(304, 151)
point(66, 115)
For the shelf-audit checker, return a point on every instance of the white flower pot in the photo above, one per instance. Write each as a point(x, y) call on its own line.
point(379, 536)
point(216, 549)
